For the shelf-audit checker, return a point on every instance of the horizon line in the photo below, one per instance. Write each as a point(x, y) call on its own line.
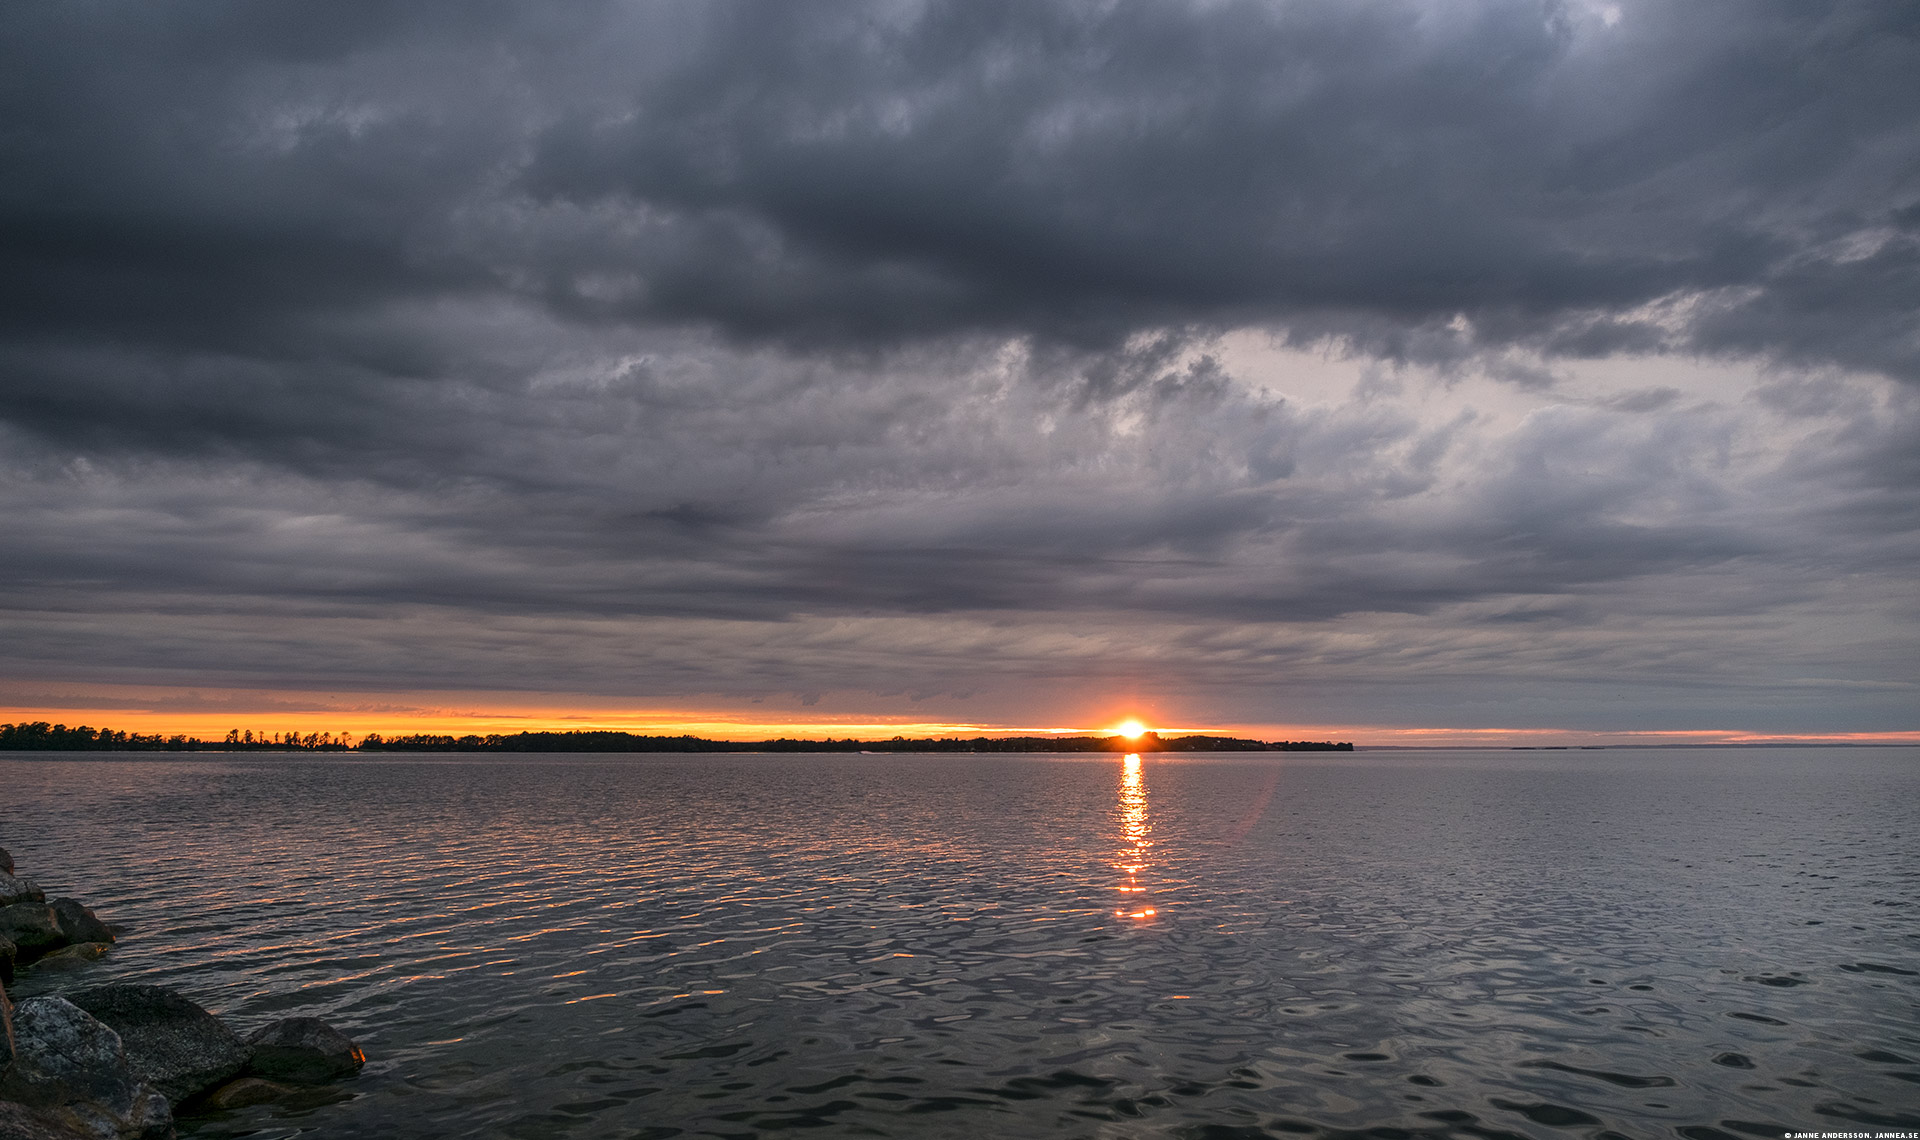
point(213, 727)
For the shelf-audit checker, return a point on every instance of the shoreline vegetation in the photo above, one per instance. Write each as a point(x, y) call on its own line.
point(39, 736)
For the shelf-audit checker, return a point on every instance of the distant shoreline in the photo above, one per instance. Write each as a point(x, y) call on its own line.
point(43, 737)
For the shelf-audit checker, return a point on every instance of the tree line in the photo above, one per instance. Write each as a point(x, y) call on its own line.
point(39, 736)
point(44, 737)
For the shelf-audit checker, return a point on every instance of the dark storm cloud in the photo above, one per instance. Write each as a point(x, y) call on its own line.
point(230, 177)
point(1082, 169)
point(362, 344)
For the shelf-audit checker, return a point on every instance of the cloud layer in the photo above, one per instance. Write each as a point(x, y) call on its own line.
point(1509, 362)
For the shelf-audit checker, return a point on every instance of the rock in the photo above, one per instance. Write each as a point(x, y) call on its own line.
point(304, 1050)
point(63, 1054)
point(249, 1091)
point(74, 1069)
point(18, 1122)
point(31, 927)
point(15, 890)
point(6, 862)
point(67, 957)
point(78, 923)
point(151, 1120)
point(9, 953)
point(180, 1048)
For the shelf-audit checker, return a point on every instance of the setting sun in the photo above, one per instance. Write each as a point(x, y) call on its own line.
point(1131, 729)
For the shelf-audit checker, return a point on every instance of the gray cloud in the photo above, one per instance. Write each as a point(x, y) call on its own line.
point(785, 347)
point(844, 173)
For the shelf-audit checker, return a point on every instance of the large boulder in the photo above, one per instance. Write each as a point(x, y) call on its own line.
point(6, 862)
point(78, 923)
point(180, 1048)
point(304, 1051)
point(32, 927)
point(17, 890)
point(9, 954)
point(74, 1070)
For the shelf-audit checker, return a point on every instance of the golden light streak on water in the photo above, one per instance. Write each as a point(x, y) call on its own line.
point(1136, 832)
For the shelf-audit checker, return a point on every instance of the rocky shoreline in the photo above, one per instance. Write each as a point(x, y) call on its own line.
point(118, 1062)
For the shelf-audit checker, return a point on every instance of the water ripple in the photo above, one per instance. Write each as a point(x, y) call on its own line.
point(1479, 944)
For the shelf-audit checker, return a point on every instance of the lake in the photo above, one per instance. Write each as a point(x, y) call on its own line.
point(1694, 943)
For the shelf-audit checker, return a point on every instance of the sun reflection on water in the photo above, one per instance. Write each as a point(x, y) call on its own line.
point(1136, 835)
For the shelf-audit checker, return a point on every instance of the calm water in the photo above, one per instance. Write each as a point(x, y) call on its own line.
point(1543, 944)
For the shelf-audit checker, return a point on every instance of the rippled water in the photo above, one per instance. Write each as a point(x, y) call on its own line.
point(1658, 943)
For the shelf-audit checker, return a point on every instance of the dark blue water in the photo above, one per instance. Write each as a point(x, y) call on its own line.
point(1638, 943)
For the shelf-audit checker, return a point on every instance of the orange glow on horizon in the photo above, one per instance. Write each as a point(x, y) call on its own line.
point(210, 713)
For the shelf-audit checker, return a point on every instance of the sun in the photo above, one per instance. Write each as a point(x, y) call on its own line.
point(1131, 729)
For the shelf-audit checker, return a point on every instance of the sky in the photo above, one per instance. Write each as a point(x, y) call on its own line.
point(1421, 372)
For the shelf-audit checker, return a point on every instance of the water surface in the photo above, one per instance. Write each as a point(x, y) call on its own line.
point(1699, 944)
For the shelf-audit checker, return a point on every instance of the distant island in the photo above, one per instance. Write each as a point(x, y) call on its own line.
point(40, 736)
